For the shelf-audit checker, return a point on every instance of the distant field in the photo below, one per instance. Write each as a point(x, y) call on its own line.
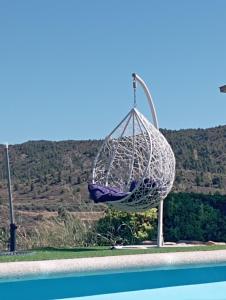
point(95, 215)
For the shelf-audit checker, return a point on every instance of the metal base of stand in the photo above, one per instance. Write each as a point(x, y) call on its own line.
point(12, 242)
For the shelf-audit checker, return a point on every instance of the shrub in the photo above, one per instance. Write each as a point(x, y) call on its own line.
point(126, 228)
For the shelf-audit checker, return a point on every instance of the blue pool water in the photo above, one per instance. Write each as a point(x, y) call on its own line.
point(208, 291)
point(206, 283)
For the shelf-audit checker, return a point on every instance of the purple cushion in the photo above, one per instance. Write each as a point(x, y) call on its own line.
point(100, 193)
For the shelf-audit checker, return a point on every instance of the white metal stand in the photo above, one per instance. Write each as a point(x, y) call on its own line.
point(155, 123)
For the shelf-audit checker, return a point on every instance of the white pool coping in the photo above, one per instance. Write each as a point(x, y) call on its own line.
point(94, 265)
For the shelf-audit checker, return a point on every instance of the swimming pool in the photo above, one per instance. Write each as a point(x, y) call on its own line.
point(206, 282)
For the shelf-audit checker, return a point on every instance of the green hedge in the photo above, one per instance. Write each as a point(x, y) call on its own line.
point(195, 217)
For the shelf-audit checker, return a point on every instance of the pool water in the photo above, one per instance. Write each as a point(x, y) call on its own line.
point(207, 291)
point(206, 283)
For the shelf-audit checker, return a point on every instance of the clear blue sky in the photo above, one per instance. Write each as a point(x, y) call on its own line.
point(65, 66)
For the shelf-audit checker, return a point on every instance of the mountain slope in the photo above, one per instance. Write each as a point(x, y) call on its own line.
point(48, 174)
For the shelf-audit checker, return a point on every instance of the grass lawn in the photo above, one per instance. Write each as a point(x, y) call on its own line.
point(53, 253)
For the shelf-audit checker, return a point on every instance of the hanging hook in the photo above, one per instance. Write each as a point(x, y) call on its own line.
point(134, 90)
point(149, 98)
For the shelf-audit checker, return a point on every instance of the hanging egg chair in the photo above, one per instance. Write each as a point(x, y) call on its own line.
point(135, 166)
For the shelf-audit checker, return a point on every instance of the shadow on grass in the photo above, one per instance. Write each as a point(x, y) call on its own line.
point(16, 253)
point(72, 249)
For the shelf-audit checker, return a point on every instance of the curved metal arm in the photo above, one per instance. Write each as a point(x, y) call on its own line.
point(150, 101)
point(160, 239)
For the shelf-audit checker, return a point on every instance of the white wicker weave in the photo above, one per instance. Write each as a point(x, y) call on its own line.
point(136, 151)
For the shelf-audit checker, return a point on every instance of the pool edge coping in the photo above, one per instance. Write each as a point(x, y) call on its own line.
point(122, 263)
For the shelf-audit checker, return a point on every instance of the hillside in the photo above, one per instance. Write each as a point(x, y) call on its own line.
point(47, 170)
point(49, 175)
